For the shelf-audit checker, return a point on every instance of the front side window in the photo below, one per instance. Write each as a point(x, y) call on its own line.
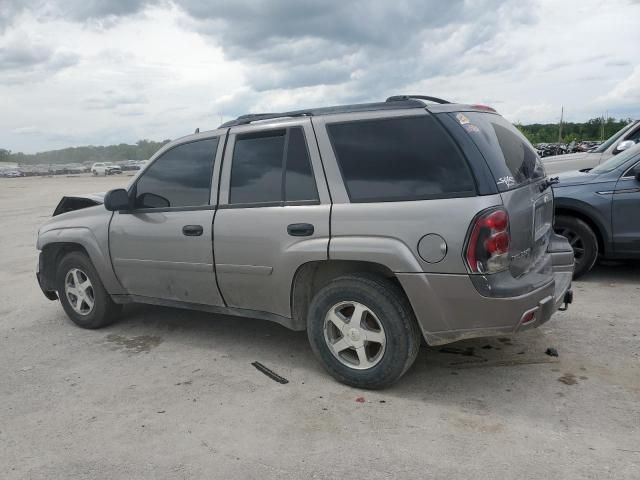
point(181, 177)
point(397, 159)
point(271, 167)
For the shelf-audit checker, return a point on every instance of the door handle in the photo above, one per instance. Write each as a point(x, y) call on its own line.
point(300, 229)
point(192, 230)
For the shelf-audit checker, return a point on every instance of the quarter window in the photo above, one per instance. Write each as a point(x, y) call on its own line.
point(271, 167)
point(398, 159)
point(181, 177)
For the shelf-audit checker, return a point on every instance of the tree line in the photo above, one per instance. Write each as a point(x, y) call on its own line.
point(594, 129)
point(141, 150)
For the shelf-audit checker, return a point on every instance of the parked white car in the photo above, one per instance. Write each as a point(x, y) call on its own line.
point(105, 168)
point(620, 141)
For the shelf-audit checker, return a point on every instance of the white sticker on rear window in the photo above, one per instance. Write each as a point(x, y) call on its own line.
point(506, 181)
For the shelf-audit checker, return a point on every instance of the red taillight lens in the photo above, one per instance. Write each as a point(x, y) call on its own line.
point(488, 243)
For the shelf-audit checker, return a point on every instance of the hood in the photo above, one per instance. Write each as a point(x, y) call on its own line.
point(567, 156)
point(77, 202)
point(575, 177)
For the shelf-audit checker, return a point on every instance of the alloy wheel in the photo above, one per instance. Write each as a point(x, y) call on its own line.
point(79, 291)
point(354, 335)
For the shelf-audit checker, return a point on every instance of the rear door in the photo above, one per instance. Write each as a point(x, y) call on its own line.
point(518, 173)
point(163, 248)
point(273, 214)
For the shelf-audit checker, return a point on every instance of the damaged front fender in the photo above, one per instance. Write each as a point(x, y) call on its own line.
point(71, 203)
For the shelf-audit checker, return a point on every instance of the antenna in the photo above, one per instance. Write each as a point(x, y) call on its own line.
point(197, 130)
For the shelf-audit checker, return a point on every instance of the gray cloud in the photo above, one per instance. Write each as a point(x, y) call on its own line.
point(21, 60)
point(110, 99)
point(372, 46)
point(76, 10)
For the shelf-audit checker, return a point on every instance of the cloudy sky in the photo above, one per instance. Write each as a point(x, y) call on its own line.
point(78, 72)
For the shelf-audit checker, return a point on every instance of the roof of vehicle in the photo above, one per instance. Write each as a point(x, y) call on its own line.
point(396, 102)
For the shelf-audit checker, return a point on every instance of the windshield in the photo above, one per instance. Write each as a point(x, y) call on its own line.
point(608, 142)
point(619, 159)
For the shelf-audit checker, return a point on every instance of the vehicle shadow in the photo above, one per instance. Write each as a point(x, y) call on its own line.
point(625, 271)
point(467, 367)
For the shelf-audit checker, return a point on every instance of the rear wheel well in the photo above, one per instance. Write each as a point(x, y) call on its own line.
point(568, 212)
point(312, 276)
point(52, 254)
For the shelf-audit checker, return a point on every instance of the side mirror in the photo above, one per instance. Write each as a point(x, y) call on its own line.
point(624, 145)
point(151, 200)
point(116, 200)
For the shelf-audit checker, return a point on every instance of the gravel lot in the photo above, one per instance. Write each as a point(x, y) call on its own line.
point(166, 393)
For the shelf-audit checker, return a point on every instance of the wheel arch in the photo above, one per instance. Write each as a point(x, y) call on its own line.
point(312, 276)
point(591, 220)
point(55, 243)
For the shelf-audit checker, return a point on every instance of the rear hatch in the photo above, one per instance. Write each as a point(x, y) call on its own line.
point(519, 177)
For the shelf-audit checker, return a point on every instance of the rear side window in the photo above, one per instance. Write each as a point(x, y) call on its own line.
point(512, 159)
point(395, 159)
point(272, 167)
point(181, 177)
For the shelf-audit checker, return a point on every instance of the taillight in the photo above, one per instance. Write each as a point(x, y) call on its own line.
point(488, 243)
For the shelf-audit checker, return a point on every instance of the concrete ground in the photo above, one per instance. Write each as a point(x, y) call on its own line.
point(172, 394)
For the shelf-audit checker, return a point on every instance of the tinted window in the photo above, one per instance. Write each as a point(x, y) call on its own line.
point(181, 177)
point(256, 168)
point(399, 159)
point(512, 159)
point(299, 181)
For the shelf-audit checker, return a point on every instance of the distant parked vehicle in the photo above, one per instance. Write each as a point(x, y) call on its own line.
point(11, 173)
point(623, 139)
point(105, 168)
point(598, 210)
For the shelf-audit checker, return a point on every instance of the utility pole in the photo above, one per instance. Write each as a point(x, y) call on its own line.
point(560, 128)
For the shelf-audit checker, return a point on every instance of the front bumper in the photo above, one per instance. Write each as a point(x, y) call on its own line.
point(47, 289)
point(449, 307)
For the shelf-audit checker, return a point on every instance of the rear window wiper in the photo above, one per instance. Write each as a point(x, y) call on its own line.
point(548, 182)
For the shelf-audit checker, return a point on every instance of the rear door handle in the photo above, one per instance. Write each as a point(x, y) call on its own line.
point(300, 229)
point(192, 230)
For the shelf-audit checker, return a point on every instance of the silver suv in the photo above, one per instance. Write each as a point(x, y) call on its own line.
point(369, 226)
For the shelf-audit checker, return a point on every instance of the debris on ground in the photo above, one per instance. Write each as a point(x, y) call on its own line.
point(552, 352)
point(568, 379)
point(270, 373)
point(360, 399)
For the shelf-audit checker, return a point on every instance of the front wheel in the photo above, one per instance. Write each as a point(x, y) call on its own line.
point(363, 331)
point(83, 297)
point(583, 241)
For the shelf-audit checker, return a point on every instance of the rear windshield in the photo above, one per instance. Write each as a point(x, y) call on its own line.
point(512, 159)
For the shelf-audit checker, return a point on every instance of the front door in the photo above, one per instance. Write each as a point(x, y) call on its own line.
point(163, 248)
point(273, 214)
point(625, 211)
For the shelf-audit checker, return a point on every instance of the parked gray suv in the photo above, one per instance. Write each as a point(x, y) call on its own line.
point(369, 226)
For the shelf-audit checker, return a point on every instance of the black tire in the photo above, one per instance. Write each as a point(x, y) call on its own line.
point(104, 310)
point(583, 241)
point(393, 313)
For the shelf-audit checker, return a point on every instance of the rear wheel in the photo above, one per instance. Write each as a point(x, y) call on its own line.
point(81, 293)
point(583, 241)
point(363, 331)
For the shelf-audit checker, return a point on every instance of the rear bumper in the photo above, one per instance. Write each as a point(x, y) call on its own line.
point(450, 308)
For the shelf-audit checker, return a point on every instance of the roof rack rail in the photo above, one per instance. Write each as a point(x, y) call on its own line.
point(397, 98)
point(256, 117)
point(398, 103)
